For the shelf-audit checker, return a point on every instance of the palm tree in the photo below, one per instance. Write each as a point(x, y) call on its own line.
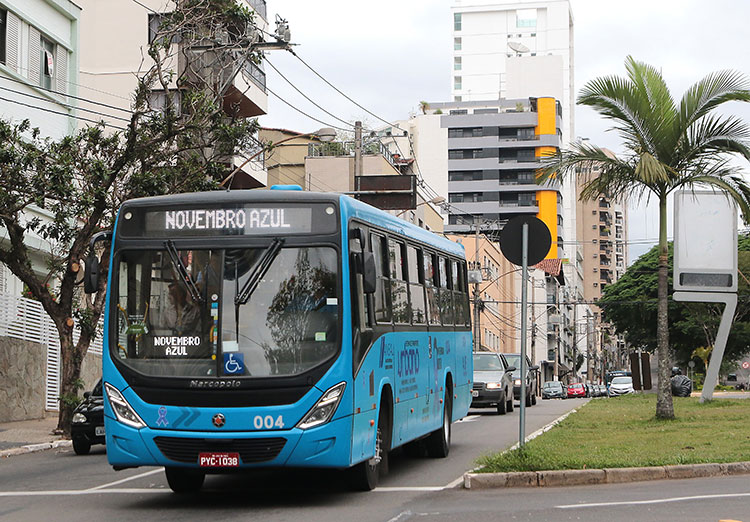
point(668, 146)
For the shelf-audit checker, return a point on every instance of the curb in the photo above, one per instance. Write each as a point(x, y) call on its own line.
point(33, 448)
point(579, 477)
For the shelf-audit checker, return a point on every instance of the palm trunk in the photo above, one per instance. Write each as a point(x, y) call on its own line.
point(664, 407)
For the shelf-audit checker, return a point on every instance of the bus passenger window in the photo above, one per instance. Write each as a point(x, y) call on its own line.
point(382, 294)
point(445, 299)
point(399, 295)
point(433, 312)
point(457, 295)
point(416, 290)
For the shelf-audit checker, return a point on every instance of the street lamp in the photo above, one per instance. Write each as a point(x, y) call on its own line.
point(437, 200)
point(326, 134)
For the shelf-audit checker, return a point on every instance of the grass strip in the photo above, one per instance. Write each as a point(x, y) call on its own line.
point(623, 432)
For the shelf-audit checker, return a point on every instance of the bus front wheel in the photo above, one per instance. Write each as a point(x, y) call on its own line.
point(439, 441)
point(366, 475)
point(183, 480)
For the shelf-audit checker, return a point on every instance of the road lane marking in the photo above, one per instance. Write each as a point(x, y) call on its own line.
point(76, 492)
point(653, 501)
point(469, 418)
point(408, 488)
point(128, 479)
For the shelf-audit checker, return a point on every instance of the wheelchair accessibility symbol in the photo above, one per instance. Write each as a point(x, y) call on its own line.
point(234, 363)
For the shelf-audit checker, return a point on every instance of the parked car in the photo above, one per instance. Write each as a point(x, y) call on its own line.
point(576, 390)
point(493, 382)
point(532, 376)
point(553, 390)
point(603, 390)
point(87, 426)
point(621, 386)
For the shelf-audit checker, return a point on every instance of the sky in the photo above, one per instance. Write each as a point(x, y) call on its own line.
point(390, 55)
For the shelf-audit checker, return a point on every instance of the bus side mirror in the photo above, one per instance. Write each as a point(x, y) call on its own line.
point(369, 279)
point(91, 276)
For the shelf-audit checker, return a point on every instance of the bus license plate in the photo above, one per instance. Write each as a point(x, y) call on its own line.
point(474, 393)
point(219, 460)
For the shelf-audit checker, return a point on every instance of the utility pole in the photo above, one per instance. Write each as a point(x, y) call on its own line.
point(589, 355)
point(477, 320)
point(556, 369)
point(575, 335)
point(357, 155)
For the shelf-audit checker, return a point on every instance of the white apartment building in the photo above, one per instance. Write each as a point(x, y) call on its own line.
point(110, 71)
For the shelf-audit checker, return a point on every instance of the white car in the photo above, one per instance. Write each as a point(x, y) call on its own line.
point(621, 386)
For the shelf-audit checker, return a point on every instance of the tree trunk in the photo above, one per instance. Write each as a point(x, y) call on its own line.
point(70, 374)
point(664, 406)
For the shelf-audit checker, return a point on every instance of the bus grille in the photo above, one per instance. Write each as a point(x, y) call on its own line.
point(250, 450)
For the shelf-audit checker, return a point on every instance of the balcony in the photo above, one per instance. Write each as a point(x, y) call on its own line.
point(259, 6)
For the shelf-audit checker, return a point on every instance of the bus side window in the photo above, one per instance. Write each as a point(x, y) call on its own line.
point(382, 296)
point(465, 294)
point(399, 292)
point(416, 290)
point(457, 296)
point(433, 312)
point(445, 299)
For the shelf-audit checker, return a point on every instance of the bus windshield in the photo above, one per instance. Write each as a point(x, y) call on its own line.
point(197, 316)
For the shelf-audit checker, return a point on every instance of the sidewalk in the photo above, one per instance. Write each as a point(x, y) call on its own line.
point(28, 436)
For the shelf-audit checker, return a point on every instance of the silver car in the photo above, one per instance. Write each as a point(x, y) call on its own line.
point(621, 386)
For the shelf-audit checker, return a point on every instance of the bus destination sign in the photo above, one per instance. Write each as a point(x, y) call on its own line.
point(228, 221)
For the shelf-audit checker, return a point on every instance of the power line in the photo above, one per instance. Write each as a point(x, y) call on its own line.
point(342, 93)
point(306, 96)
point(62, 113)
point(68, 106)
point(304, 113)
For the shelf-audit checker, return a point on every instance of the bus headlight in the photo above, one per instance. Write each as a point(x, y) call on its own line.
point(123, 411)
point(324, 408)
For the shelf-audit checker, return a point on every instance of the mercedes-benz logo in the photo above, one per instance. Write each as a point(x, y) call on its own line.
point(219, 420)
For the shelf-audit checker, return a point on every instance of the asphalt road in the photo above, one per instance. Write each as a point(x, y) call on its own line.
point(58, 485)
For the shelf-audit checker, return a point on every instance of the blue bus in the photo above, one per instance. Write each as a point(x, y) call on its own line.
point(274, 328)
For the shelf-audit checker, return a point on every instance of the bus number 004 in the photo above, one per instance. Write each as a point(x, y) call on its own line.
point(267, 422)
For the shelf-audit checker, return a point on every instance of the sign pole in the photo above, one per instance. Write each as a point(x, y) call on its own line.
point(524, 299)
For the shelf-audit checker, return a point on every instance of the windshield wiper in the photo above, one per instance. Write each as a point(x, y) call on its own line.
point(259, 270)
point(181, 270)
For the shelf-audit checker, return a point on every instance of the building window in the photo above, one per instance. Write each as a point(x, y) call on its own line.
point(457, 99)
point(456, 112)
point(457, 83)
point(47, 69)
point(3, 21)
point(526, 18)
point(457, 43)
point(456, 21)
point(456, 63)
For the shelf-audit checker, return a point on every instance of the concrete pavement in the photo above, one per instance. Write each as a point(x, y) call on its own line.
point(31, 435)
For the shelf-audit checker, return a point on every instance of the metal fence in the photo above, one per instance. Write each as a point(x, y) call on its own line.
point(25, 319)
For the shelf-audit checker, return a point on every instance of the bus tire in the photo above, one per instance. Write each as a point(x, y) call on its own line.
point(182, 480)
point(439, 441)
point(502, 406)
point(365, 476)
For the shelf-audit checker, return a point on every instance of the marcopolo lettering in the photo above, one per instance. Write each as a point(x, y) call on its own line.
point(221, 384)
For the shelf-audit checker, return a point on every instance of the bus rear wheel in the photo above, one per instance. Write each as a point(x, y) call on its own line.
point(183, 480)
point(365, 476)
point(439, 441)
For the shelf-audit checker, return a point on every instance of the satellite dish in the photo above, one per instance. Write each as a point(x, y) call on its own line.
point(518, 47)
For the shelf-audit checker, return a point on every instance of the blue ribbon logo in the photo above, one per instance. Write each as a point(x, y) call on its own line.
point(162, 420)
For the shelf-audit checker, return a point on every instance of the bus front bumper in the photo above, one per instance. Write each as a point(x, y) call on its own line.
point(325, 446)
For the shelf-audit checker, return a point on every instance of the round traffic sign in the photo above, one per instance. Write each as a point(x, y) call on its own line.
point(691, 364)
point(745, 365)
point(539, 240)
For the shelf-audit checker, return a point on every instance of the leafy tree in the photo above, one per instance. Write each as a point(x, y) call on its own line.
point(668, 146)
point(176, 140)
point(630, 305)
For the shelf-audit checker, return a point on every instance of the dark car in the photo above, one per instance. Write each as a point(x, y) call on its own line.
point(493, 383)
point(87, 427)
point(532, 376)
point(554, 390)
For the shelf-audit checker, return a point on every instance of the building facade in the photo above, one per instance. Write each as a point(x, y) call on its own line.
point(111, 77)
